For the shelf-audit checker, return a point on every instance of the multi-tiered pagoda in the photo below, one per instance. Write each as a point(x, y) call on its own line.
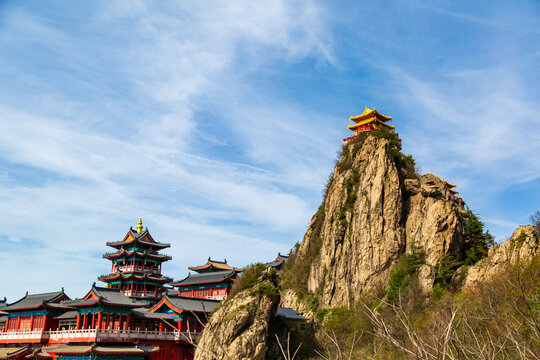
point(136, 265)
point(369, 120)
point(116, 323)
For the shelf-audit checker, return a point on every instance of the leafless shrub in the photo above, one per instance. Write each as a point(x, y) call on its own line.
point(497, 320)
point(287, 354)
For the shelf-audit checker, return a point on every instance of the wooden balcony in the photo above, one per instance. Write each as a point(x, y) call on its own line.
point(92, 335)
point(26, 337)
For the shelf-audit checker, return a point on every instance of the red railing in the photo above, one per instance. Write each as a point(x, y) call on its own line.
point(93, 335)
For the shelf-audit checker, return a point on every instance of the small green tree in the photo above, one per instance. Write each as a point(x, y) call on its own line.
point(403, 273)
point(477, 241)
point(445, 269)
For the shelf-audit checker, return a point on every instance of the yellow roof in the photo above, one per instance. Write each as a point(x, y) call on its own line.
point(370, 114)
point(367, 121)
point(450, 186)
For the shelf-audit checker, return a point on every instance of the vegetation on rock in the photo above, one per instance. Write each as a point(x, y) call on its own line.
point(248, 279)
point(477, 240)
point(404, 272)
point(395, 318)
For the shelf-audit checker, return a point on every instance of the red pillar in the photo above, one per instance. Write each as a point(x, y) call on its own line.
point(78, 321)
point(32, 322)
point(99, 320)
point(18, 323)
point(128, 321)
point(85, 321)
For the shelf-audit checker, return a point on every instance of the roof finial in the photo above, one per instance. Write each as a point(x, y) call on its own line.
point(139, 226)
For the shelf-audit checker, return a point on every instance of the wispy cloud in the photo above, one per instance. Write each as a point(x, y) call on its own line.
point(146, 160)
point(479, 122)
point(218, 122)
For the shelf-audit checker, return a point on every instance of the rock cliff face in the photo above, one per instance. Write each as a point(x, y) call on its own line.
point(433, 223)
point(238, 330)
point(370, 216)
point(523, 245)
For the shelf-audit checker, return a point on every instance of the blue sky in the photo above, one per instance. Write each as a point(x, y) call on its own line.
point(218, 122)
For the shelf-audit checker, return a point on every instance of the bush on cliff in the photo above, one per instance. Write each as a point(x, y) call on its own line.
point(247, 280)
point(477, 241)
point(405, 271)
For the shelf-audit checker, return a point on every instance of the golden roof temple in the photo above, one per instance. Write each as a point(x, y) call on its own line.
point(449, 186)
point(369, 120)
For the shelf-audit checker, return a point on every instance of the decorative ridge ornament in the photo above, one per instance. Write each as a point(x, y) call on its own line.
point(139, 226)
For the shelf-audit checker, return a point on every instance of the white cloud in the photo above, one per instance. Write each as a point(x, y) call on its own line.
point(477, 121)
point(107, 157)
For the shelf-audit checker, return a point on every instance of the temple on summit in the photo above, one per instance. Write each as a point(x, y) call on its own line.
point(136, 316)
point(369, 120)
point(450, 187)
point(453, 193)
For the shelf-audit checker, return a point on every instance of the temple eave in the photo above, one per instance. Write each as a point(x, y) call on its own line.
point(353, 127)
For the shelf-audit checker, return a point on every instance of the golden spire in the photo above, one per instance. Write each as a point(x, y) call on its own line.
point(139, 226)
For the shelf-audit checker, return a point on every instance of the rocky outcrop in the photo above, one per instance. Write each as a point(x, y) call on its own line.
point(522, 246)
point(370, 216)
point(433, 223)
point(238, 330)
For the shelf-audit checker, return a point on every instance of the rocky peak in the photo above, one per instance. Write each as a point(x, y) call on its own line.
point(239, 328)
point(374, 208)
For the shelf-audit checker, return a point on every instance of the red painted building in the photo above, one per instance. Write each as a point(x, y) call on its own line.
point(136, 265)
point(213, 280)
point(131, 318)
point(134, 317)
